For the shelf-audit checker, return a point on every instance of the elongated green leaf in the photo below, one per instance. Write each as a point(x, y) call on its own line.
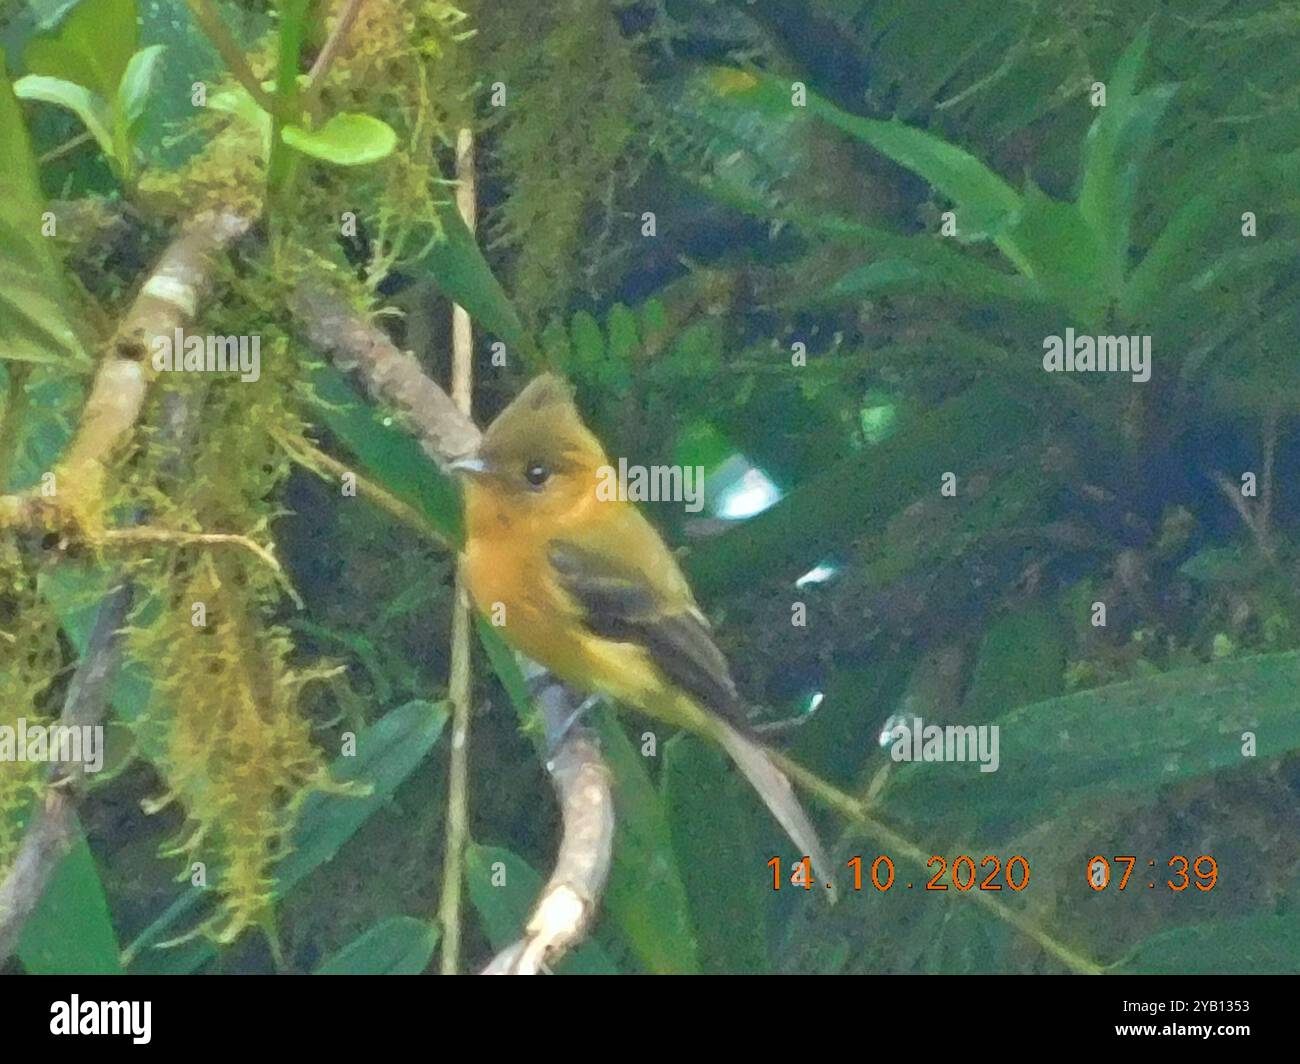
point(646, 896)
point(458, 268)
point(1201, 243)
point(985, 202)
point(344, 140)
point(716, 847)
point(400, 945)
point(133, 93)
point(34, 322)
point(71, 932)
point(502, 889)
point(1122, 739)
point(91, 108)
point(387, 753)
point(506, 666)
point(1062, 255)
point(924, 272)
point(1180, 249)
point(1116, 143)
point(389, 455)
point(588, 346)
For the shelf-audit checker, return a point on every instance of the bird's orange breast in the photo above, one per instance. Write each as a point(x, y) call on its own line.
point(509, 575)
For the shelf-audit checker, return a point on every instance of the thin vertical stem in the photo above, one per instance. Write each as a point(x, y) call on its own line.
point(460, 682)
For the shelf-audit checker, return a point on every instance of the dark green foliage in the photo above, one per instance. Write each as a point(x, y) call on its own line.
point(800, 313)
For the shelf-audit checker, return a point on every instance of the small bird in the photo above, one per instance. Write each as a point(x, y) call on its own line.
point(585, 586)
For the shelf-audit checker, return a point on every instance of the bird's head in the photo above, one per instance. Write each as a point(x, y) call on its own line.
point(537, 456)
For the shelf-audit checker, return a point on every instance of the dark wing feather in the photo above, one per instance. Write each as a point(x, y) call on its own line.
point(619, 604)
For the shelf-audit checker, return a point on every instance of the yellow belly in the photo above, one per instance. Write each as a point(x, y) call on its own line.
point(528, 619)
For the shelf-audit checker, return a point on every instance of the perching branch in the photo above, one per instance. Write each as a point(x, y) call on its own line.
point(569, 901)
point(231, 53)
point(390, 376)
point(329, 52)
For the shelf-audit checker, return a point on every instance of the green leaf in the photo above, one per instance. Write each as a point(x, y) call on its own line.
point(822, 514)
point(1115, 146)
point(388, 455)
point(344, 140)
point(1021, 660)
point(91, 108)
point(646, 896)
point(133, 93)
point(984, 201)
point(1061, 254)
point(71, 931)
point(240, 103)
point(387, 753)
point(502, 889)
point(34, 324)
point(924, 263)
point(1256, 945)
point(624, 347)
point(92, 46)
point(930, 268)
point(458, 268)
point(1113, 741)
point(400, 945)
point(624, 338)
point(1222, 565)
point(588, 340)
point(715, 843)
point(654, 322)
point(1208, 219)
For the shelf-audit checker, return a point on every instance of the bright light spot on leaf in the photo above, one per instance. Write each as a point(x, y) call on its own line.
point(887, 730)
point(878, 421)
point(818, 574)
point(745, 495)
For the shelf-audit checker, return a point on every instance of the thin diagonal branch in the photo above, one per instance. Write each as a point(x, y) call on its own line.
point(329, 52)
point(231, 53)
point(569, 901)
point(53, 828)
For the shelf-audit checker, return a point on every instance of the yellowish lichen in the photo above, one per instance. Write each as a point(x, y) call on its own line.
point(29, 661)
point(226, 723)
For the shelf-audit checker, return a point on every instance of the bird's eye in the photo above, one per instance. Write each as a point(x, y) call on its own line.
point(536, 474)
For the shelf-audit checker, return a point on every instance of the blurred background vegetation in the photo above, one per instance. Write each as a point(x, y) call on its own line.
point(778, 232)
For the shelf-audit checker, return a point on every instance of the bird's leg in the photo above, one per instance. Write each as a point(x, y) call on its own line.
point(556, 740)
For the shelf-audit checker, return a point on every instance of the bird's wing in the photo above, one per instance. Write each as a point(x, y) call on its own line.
point(638, 595)
point(621, 601)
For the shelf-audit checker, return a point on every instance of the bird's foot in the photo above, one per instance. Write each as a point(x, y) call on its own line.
point(556, 739)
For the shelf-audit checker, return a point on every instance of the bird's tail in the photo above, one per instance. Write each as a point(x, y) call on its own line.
point(778, 795)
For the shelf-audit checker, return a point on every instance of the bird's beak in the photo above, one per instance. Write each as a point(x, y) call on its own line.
point(470, 464)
